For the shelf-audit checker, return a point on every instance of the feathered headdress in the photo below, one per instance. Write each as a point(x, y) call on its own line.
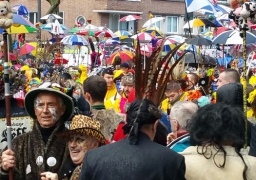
point(150, 84)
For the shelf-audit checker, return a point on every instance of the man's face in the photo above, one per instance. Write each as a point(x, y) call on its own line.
point(78, 145)
point(125, 70)
point(48, 109)
point(172, 96)
point(127, 89)
point(109, 79)
point(221, 80)
point(190, 81)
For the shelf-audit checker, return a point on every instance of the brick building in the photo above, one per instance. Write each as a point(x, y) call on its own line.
point(108, 12)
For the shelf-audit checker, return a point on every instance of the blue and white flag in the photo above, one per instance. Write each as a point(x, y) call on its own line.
point(195, 5)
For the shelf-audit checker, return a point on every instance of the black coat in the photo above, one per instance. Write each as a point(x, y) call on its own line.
point(146, 160)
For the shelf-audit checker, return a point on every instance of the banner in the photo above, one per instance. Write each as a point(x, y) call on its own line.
point(20, 125)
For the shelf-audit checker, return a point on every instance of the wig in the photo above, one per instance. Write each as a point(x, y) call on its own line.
point(215, 125)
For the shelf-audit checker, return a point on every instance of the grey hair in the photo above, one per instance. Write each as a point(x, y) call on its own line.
point(182, 112)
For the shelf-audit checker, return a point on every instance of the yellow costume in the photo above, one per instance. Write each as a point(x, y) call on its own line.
point(111, 92)
point(166, 105)
point(83, 75)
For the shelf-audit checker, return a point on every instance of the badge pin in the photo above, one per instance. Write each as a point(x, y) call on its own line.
point(51, 161)
point(28, 169)
point(39, 160)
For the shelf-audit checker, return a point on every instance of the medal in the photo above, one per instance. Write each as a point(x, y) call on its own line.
point(51, 161)
point(39, 160)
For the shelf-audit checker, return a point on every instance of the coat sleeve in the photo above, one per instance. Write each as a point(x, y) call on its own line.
point(85, 171)
point(252, 151)
point(181, 170)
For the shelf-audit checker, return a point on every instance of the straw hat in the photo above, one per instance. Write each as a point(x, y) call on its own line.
point(85, 125)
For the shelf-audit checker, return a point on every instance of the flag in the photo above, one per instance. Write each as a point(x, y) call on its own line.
point(195, 5)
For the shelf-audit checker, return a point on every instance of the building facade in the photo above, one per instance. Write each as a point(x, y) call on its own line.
point(108, 12)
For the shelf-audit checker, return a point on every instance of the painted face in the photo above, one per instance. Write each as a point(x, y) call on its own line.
point(78, 145)
point(109, 79)
point(127, 89)
point(48, 109)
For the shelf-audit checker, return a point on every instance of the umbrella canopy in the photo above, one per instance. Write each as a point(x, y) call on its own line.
point(152, 21)
point(169, 44)
point(154, 31)
point(74, 40)
point(19, 29)
point(124, 55)
point(25, 49)
point(60, 61)
point(89, 27)
point(201, 22)
point(233, 37)
point(79, 31)
point(143, 36)
point(54, 28)
point(20, 20)
point(122, 34)
point(179, 39)
point(20, 9)
point(12, 57)
point(199, 41)
point(220, 9)
point(51, 16)
point(200, 59)
point(109, 42)
point(146, 48)
point(219, 30)
point(104, 34)
point(129, 18)
point(208, 35)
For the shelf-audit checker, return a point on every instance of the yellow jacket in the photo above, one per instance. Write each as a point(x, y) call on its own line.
point(111, 92)
point(83, 75)
point(166, 105)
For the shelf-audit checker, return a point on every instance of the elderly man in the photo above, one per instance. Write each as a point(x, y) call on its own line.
point(84, 134)
point(180, 116)
point(228, 76)
point(137, 156)
point(40, 150)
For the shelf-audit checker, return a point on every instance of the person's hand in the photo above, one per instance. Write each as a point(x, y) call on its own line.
point(8, 160)
point(49, 176)
point(171, 137)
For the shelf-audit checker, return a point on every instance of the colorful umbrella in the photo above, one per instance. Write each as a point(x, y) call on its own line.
point(20, 9)
point(104, 34)
point(74, 40)
point(189, 48)
point(60, 61)
point(51, 16)
point(89, 27)
point(129, 18)
point(109, 42)
point(55, 28)
point(169, 44)
point(179, 39)
point(12, 57)
point(200, 22)
point(25, 49)
point(79, 31)
point(122, 34)
point(154, 31)
point(143, 36)
point(18, 29)
point(124, 55)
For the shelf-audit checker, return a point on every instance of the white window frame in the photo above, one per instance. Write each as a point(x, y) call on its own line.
point(63, 17)
point(171, 28)
point(35, 14)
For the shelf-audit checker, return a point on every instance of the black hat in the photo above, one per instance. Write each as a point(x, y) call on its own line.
point(107, 71)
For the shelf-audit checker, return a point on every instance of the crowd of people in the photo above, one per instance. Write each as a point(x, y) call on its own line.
point(194, 133)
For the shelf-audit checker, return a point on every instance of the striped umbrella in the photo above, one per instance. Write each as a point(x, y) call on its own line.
point(129, 18)
point(154, 31)
point(124, 55)
point(25, 49)
point(18, 29)
point(143, 36)
point(74, 40)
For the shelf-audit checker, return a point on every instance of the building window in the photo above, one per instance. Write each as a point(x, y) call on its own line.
point(204, 29)
point(33, 17)
point(81, 20)
point(172, 24)
point(61, 14)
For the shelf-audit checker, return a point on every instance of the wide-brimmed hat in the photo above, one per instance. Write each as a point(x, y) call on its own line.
point(49, 87)
point(84, 125)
